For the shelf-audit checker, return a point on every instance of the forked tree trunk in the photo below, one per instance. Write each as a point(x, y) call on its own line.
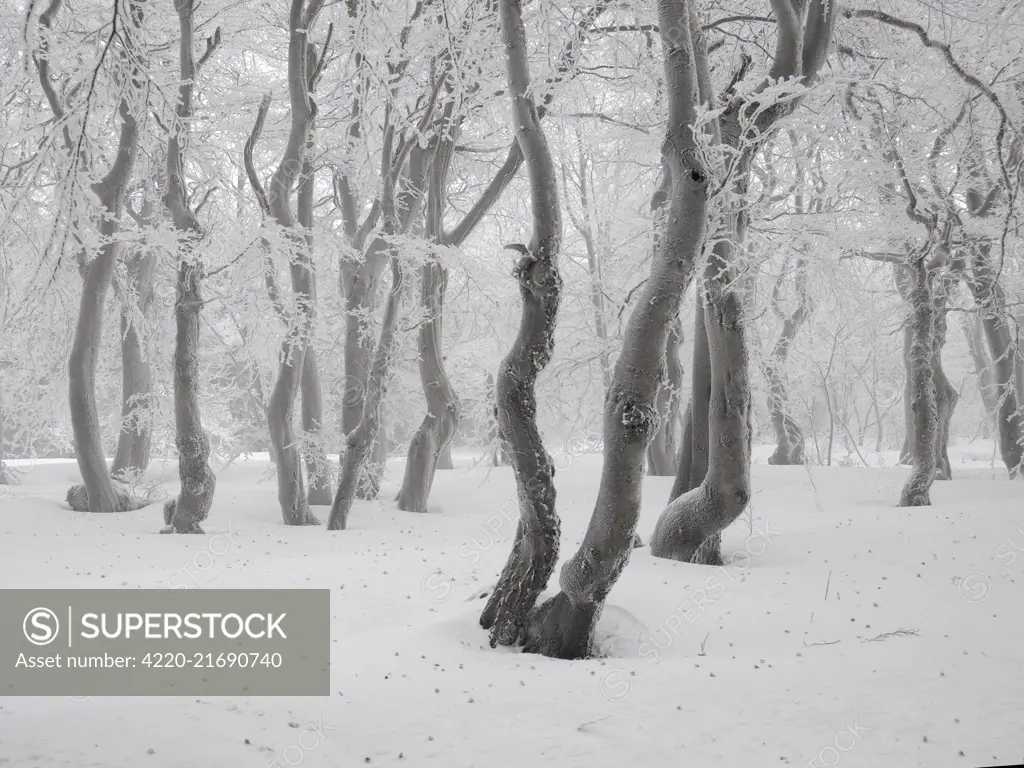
point(789, 448)
point(438, 427)
point(921, 374)
point(99, 493)
point(186, 513)
point(135, 439)
point(563, 627)
point(359, 442)
point(535, 550)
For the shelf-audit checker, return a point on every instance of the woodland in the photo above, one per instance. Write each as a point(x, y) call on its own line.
point(352, 232)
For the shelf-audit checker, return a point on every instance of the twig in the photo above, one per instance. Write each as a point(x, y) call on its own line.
point(897, 633)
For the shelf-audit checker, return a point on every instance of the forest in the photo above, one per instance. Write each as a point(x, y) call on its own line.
point(613, 285)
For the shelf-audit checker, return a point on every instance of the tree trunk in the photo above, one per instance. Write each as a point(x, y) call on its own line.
point(974, 331)
point(317, 472)
point(662, 453)
point(444, 458)
point(690, 528)
point(134, 441)
point(789, 437)
point(198, 483)
point(535, 550)
point(438, 427)
point(693, 456)
point(291, 490)
point(99, 493)
point(563, 627)
point(1007, 369)
point(4, 477)
point(921, 374)
point(946, 396)
point(359, 442)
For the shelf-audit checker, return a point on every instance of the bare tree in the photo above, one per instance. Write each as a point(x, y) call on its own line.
point(563, 626)
point(198, 483)
point(690, 527)
point(535, 550)
point(291, 483)
point(99, 493)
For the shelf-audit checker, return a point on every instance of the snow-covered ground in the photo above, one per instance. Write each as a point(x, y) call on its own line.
point(782, 657)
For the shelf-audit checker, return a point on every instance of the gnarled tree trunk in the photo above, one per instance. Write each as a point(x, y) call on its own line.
point(563, 627)
point(535, 549)
point(198, 483)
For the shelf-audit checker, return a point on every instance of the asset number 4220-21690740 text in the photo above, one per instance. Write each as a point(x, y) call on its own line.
point(218, 661)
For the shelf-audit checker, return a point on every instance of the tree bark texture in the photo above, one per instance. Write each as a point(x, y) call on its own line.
point(198, 483)
point(789, 447)
point(921, 374)
point(535, 549)
point(690, 527)
point(99, 492)
point(291, 492)
point(563, 627)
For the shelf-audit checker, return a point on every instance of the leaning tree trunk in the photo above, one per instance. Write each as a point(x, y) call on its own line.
point(921, 374)
point(563, 627)
point(135, 439)
point(438, 426)
point(789, 448)
point(535, 550)
point(99, 493)
point(198, 483)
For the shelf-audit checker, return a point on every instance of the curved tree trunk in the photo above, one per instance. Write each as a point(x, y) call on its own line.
point(563, 627)
point(946, 396)
point(438, 427)
point(198, 483)
point(789, 437)
point(99, 493)
point(535, 550)
point(134, 441)
point(291, 484)
point(690, 527)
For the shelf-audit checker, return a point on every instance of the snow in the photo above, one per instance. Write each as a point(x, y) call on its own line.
point(766, 661)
